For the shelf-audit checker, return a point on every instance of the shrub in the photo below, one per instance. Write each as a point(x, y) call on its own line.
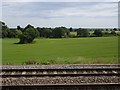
point(82, 32)
point(28, 35)
point(114, 33)
point(98, 33)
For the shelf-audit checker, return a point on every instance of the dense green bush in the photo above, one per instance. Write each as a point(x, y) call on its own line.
point(28, 35)
point(98, 33)
point(82, 32)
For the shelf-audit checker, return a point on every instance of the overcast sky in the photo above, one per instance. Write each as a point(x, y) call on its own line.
point(60, 0)
point(70, 14)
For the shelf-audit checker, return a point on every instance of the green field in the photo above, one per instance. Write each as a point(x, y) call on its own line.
point(62, 51)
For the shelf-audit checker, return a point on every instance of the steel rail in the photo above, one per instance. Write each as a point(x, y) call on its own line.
point(52, 75)
point(60, 74)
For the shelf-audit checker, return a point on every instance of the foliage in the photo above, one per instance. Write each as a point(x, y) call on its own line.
point(45, 32)
point(18, 33)
point(113, 33)
point(28, 35)
point(5, 31)
point(59, 32)
point(98, 33)
point(11, 33)
point(73, 34)
point(114, 29)
point(71, 29)
point(82, 32)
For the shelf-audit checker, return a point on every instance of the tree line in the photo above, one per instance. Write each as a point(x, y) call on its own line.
point(29, 33)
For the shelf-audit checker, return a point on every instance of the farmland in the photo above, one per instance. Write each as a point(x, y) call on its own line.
point(62, 51)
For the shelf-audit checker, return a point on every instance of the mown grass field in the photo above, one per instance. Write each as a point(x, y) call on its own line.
point(62, 51)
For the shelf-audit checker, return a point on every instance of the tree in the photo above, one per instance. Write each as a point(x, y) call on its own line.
point(60, 32)
point(5, 30)
point(28, 35)
point(98, 33)
point(18, 28)
point(40, 31)
point(113, 33)
point(11, 33)
point(114, 29)
point(71, 29)
point(82, 32)
point(44, 32)
point(47, 32)
point(18, 33)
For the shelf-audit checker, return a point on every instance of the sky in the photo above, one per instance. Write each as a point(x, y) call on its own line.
point(87, 14)
point(60, 0)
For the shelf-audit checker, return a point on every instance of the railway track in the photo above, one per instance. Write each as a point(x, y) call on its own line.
point(59, 72)
point(53, 77)
point(16, 71)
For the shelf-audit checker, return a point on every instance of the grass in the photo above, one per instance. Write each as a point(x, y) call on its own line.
point(62, 51)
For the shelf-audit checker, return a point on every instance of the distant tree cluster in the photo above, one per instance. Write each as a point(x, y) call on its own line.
point(57, 32)
point(83, 32)
point(29, 33)
point(98, 33)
